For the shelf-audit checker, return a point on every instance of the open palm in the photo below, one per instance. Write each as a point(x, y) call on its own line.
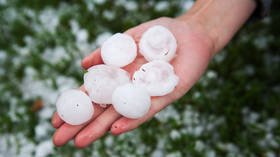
point(193, 54)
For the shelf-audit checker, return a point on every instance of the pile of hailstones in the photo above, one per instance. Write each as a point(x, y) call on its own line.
point(109, 84)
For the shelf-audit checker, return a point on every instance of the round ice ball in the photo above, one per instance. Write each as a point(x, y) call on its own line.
point(158, 43)
point(158, 77)
point(131, 101)
point(74, 107)
point(101, 80)
point(119, 50)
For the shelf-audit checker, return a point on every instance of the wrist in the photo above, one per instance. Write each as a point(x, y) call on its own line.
point(200, 30)
point(220, 19)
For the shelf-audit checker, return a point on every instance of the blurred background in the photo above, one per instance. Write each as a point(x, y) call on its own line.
point(234, 110)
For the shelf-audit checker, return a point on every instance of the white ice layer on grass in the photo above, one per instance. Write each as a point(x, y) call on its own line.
point(168, 113)
point(99, 1)
point(81, 38)
point(16, 145)
point(10, 14)
point(228, 147)
point(82, 35)
point(55, 55)
point(271, 154)
point(3, 2)
point(199, 146)
point(174, 154)
point(210, 153)
point(262, 41)
point(21, 146)
point(44, 149)
point(175, 134)
point(268, 140)
point(49, 19)
point(161, 6)
point(108, 14)
point(33, 88)
point(130, 5)
point(42, 130)
point(3, 56)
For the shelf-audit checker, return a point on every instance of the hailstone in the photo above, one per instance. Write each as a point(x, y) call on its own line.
point(74, 107)
point(101, 80)
point(158, 43)
point(131, 101)
point(119, 50)
point(158, 77)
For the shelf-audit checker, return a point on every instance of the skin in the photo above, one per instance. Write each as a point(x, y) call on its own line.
point(200, 34)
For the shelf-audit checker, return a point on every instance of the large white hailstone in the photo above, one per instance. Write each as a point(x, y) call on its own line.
point(158, 43)
point(131, 101)
point(119, 50)
point(158, 77)
point(74, 107)
point(101, 80)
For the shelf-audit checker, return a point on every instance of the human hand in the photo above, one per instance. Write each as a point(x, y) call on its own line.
point(194, 51)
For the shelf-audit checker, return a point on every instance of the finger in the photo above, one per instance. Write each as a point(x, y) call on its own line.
point(93, 59)
point(56, 120)
point(66, 132)
point(124, 124)
point(96, 128)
